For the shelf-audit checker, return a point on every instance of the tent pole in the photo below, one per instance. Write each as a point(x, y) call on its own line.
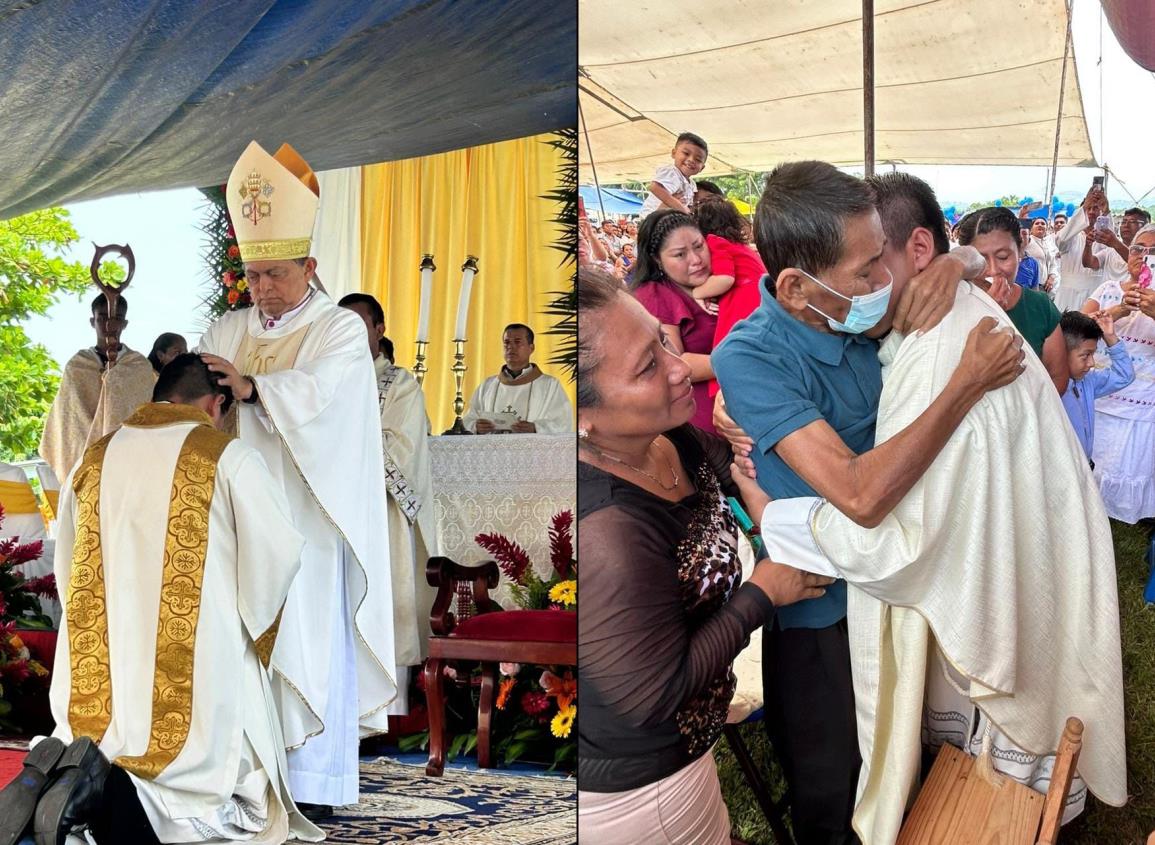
point(868, 84)
point(590, 150)
point(1059, 117)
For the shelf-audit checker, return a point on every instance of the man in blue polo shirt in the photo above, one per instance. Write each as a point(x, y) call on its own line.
point(802, 379)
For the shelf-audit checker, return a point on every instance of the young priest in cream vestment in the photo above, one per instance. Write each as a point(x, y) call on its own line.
point(520, 394)
point(94, 397)
point(301, 368)
point(409, 479)
point(176, 552)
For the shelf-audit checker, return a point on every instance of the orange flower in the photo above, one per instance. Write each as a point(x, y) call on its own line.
point(234, 251)
point(563, 689)
point(503, 692)
point(234, 295)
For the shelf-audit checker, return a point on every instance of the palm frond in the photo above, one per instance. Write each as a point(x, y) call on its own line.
point(563, 306)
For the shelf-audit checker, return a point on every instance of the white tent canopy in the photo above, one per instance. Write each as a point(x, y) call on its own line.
point(957, 82)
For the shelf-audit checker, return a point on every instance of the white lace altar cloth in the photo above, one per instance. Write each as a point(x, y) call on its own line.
point(510, 484)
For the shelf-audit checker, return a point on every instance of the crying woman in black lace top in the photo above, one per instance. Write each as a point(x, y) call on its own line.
point(662, 615)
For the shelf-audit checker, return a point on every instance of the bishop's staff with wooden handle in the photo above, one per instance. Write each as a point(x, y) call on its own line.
point(112, 292)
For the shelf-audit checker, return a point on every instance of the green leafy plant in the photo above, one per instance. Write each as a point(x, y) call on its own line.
point(225, 283)
point(33, 277)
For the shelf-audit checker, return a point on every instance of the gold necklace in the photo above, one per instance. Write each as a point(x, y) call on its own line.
point(641, 471)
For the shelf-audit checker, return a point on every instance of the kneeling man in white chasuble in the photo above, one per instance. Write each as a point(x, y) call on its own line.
point(308, 403)
point(175, 555)
point(409, 479)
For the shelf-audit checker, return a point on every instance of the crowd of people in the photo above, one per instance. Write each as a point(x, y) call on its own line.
point(921, 418)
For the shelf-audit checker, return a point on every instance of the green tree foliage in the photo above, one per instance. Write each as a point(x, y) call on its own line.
point(32, 278)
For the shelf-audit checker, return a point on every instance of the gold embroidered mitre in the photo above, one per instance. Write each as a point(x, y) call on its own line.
point(272, 201)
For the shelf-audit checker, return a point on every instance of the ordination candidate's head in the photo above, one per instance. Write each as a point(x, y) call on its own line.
point(187, 380)
point(822, 242)
point(912, 220)
point(372, 314)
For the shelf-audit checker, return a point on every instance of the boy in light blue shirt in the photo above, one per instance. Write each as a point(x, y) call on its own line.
point(1087, 384)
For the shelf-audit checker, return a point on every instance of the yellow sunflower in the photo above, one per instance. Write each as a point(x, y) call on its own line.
point(563, 721)
point(564, 592)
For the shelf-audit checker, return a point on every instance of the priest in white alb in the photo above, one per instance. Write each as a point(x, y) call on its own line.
point(95, 396)
point(983, 608)
point(409, 480)
point(301, 369)
point(175, 554)
point(520, 399)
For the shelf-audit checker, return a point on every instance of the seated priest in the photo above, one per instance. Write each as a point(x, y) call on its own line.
point(521, 398)
point(409, 481)
point(95, 394)
point(176, 549)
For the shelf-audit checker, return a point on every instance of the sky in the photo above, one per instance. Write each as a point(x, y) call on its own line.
point(162, 228)
point(165, 294)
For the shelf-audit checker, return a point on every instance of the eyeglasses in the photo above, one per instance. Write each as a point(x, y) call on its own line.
point(1136, 249)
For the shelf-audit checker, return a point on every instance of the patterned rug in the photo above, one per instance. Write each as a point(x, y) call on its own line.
point(399, 803)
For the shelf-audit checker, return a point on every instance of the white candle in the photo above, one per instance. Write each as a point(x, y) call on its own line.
point(468, 270)
point(427, 269)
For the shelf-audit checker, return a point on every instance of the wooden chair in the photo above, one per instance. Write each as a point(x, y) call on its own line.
point(957, 805)
point(481, 632)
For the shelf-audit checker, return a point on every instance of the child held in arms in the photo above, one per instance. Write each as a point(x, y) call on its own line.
point(673, 184)
point(1087, 384)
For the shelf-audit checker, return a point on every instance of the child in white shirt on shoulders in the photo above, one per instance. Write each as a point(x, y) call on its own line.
point(673, 185)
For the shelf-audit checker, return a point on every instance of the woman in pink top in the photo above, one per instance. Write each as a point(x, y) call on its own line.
point(673, 259)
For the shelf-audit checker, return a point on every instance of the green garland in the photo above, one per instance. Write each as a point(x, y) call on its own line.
point(227, 289)
point(563, 306)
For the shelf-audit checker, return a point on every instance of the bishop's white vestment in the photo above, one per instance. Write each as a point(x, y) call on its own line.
point(534, 397)
point(175, 554)
point(996, 570)
point(317, 425)
point(92, 401)
point(412, 520)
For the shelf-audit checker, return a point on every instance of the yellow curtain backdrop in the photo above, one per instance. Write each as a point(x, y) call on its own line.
point(483, 201)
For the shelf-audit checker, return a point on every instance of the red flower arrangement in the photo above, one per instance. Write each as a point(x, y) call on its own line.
point(21, 676)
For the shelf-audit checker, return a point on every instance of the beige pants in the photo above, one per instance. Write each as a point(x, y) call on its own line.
point(685, 808)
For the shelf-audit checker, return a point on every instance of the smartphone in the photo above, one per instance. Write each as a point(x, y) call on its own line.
point(1098, 182)
point(1145, 278)
point(1104, 222)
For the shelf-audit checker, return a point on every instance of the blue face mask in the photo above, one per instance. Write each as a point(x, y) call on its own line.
point(865, 311)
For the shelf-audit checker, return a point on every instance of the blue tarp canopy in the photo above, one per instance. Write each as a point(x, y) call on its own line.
point(105, 97)
point(615, 202)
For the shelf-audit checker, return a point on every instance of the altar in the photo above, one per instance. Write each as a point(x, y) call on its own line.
point(510, 484)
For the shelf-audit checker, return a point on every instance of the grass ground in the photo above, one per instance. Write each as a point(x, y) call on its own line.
point(1099, 824)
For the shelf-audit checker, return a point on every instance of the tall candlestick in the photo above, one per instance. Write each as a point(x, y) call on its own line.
point(427, 268)
point(419, 368)
point(459, 396)
point(468, 271)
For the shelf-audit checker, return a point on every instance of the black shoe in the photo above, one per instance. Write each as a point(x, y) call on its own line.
point(313, 812)
point(18, 799)
point(75, 795)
